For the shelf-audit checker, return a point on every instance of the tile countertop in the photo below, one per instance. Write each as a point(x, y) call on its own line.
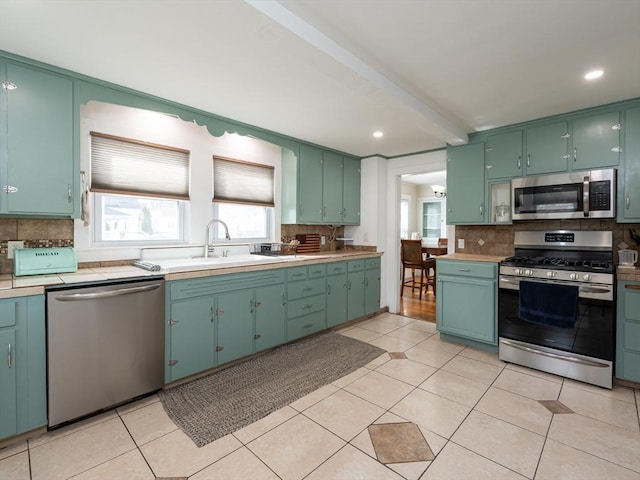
point(472, 257)
point(11, 286)
point(631, 274)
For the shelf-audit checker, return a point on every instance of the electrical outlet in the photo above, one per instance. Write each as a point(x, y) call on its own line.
point(12, 245)
point(461, 243)
point(323, 240)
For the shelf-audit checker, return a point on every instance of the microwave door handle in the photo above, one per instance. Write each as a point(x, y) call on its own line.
point(585, 196)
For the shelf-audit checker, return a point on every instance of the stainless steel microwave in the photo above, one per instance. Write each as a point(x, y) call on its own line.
point(589, 194)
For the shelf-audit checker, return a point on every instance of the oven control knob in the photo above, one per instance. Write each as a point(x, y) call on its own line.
point(519, 271)
point(586, 277)
point(528, 272)
point(551, 274)
point(573, 276)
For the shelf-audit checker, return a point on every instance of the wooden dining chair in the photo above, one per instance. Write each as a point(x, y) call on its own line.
point(430, 272)
point(411, 258)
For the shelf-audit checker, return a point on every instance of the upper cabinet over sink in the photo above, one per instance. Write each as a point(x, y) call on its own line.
point(36, 142)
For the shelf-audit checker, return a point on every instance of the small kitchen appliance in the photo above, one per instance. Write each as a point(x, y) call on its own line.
point(627, 258)
point(41, 261)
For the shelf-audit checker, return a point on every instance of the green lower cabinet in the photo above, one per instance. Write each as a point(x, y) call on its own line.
point(306, 325)
point(337, 299)
point(23, 384)
point(355, 289)
point(234, 315)
point(270, 311)
point(192, 338)
point(628, 331)
point(467, 300)
point(372, 286)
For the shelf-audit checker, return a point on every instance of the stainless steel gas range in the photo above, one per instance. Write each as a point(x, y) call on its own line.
point(556, 308)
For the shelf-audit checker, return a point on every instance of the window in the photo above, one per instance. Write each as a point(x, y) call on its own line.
point(243, 197)
point(404, 217)
point(139, 190)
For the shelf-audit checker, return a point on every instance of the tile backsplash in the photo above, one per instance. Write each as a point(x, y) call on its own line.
point(35, 233)
point(498, 239)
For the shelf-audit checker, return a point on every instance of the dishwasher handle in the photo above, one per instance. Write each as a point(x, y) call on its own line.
point(75, 297)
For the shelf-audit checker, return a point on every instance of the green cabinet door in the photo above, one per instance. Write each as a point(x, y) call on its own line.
point(23, 382)
point(38, 168)
point(504, 155)
point(336, 299)
point(596, 141)
point(629, 209)
point(234, 313)
point(465, 184)
point(192, 334)
point(372, 289)
point(547, 148)
point(351, 191)
point(628, 331)
point(270, 310)
point(8, 383)
point(355, 289)
point(310, 185)
point(331, 188)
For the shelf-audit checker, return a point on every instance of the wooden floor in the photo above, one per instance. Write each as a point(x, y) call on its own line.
point(411, 305)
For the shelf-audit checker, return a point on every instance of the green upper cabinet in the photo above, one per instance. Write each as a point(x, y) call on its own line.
point(36, 152)
point(320, 187)
point(310, 186)
point(331, 188)
point(465, 183)
point(596, 141)
point(547, 148)
point(629, 209)
point(504, 155)
point(351, 191)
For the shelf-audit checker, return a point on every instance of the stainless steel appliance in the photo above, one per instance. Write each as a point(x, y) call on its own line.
point(589, 194)
point(105, 345)
point(556, 309)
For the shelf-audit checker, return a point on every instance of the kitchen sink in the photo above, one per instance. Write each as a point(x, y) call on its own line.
point(206, 263)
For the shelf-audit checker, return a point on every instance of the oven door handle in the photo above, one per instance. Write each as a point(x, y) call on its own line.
point(568, 358)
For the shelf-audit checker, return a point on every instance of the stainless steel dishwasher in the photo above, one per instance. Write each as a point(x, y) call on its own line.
point(105, 345)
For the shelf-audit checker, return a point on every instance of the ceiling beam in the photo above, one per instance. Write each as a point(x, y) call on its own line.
point(442, 127)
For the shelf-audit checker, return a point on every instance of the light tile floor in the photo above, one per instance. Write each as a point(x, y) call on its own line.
point(480, 416)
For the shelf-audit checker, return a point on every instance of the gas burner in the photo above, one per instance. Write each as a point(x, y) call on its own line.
point(560, 263)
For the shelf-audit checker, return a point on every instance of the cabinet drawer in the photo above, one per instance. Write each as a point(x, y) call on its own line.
point(215, 284)
point(632, 336)
point(317, 271)
point(371, 263)
point(8, 313)
point(336, 268)
point(355, 265)
point(467, 269)
point(306, 325)
point(296, 273)
point(303, 306)
point(306, 288)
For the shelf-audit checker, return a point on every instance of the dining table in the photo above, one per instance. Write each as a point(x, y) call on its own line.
point(435, 251)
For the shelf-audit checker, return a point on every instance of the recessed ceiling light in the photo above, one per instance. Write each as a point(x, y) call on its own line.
point(593, 74)
point(378, 134)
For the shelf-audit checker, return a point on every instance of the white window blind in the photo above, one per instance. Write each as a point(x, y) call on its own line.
point(130, 167)
point(236, 181)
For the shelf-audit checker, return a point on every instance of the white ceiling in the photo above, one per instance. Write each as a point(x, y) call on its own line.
point(425, 72)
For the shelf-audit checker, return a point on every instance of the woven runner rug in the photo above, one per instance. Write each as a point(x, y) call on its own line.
point(225, 401)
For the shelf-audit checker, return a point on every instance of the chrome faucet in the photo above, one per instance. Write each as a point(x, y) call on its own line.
point(207, 246)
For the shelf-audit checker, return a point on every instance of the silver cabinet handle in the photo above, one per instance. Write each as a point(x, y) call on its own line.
point(9, 189)
point(481, 209)
point(528, 160)
point(519, 162)
point(628, 201)
point(74, 297)
point(575, 154)
point(9, 357)
point(464, 269)
point(69, 193)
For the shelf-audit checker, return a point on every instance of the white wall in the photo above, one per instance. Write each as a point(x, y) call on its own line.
point(411, 191)
point(168, 130)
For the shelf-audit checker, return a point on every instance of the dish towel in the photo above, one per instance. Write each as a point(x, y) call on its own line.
point(549, 304)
